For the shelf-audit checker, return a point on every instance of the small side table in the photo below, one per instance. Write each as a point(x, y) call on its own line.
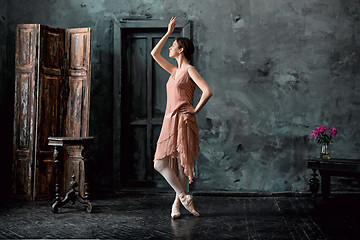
point(58, 143)
point(332, 167)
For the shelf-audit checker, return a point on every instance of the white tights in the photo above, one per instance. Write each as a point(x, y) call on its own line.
point(179, 184)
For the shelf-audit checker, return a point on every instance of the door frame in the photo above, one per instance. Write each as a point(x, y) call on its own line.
point(185, 28)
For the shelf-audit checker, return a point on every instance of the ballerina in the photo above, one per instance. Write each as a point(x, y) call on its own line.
point(178, 143)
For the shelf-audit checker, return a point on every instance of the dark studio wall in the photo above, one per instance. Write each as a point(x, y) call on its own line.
point(6, 102)
point(278, 69)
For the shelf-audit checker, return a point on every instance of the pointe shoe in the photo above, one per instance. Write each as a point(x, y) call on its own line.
point(175, 212)
point(188, 202)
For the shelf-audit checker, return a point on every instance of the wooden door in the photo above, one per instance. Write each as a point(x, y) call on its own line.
point(142, 105)
point(50, 110)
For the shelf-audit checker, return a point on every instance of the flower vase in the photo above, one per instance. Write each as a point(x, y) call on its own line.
point(324, 154)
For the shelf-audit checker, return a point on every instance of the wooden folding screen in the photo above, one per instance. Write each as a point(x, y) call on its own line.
point(52, 98)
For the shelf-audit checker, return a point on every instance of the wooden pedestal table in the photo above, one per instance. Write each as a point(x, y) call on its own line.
point(58, 143)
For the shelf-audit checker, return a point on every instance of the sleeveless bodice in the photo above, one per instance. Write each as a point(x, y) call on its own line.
point(180, 91)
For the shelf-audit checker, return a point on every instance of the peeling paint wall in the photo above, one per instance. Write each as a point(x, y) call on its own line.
point(278, 69)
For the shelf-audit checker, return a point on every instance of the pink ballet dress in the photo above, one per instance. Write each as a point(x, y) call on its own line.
point(179, 136)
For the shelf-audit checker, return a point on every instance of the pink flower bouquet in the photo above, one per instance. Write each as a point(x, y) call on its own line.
point(323, 135)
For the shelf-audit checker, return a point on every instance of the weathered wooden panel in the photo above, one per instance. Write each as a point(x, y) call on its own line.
point(50, 107)
point(49, 111)
point(78, 67)
point(23, 185)
point(26, 78)
point(136, 54)
point(48, 125)
point(78, 49)
point(136, 86)
point(74, 107)
point(25, 89)
point(137, 141)
point(26, 45)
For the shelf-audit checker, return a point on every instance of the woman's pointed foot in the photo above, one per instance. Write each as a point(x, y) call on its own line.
point(175, 211)
point(188, 202)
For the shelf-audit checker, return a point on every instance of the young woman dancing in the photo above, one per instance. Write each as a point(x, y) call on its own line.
point(178, 143)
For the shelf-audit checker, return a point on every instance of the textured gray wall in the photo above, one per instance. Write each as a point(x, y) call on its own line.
point(278, 69)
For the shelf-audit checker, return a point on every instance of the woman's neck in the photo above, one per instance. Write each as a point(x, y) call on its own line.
point(182, 61)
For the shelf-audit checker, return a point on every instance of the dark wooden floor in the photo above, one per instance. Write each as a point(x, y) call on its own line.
point(147, 216)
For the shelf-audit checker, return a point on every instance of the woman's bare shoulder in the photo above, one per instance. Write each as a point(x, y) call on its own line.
point(191, 67)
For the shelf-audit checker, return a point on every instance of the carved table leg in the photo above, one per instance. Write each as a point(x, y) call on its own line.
point(314, 183)
point(85, 153)
point(57, 200)
point(70, 195)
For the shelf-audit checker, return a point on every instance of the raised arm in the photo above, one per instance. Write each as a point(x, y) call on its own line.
point(156, 52)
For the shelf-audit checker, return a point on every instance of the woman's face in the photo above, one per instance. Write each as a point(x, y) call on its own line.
point(174, 50)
